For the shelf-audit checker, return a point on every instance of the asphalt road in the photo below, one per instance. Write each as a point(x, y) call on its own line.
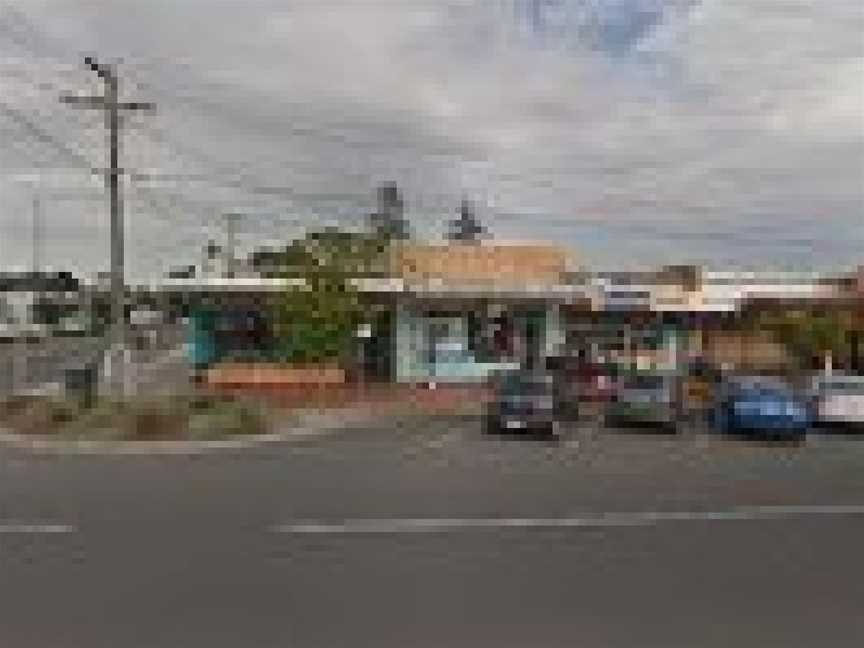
point(429, 534)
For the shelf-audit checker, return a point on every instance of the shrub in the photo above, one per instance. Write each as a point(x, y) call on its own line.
point(177, 417)
point(228, 418)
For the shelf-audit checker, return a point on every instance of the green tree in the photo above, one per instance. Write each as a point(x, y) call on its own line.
point(810, 335)
point(388, 221)
point(317, 322)
point(466, 228)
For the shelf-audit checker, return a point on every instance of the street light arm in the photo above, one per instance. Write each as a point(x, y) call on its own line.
point(83, 101)
point(86, 101)
point(137, 105)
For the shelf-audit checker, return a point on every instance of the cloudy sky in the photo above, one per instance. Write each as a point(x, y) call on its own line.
point(637, 132)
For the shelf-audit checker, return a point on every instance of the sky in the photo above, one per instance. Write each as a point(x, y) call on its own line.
point(635, 132)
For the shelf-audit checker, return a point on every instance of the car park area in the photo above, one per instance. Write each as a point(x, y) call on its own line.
point(757, 406)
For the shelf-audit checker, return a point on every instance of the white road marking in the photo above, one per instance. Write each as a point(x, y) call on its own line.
point(613, 519)
point(439, 442)
point(33, 528)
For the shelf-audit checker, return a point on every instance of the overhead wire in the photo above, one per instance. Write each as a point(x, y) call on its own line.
point(218, 174)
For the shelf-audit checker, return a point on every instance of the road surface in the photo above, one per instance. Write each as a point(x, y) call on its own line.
point(430, 534)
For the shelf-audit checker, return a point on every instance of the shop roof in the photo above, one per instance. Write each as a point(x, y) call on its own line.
point(467, 262)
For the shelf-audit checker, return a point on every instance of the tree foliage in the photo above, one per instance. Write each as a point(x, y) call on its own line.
point(466, 228)
point(388, 221)
point(317, 322)
point(811, 334)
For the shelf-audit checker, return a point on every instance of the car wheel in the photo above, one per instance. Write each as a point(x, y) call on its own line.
point(491, 425)
point(718, 421)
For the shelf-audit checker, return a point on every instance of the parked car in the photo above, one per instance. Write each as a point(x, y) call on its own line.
point(21, 332)
point(524, 400)
point(645, 398)
point(145, 317)
point(761, 406)
point(583, 381)
point(72, 326)
point(570, 388)
point(839, 400)
point(699, 382)
point(8, 331)
point(597, 383)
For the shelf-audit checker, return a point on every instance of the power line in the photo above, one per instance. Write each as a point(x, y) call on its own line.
point(221, 174)
point(25, 35)
point(44, 137)
point(239, 176)
point(36, 253)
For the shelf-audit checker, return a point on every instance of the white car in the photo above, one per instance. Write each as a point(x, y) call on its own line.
point(839, 399)
point(17, 331)
point(144, 317)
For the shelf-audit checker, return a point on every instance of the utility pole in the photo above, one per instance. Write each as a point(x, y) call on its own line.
point(36, 252)
point(36, 260)
point(230, 235)
point(112, 108)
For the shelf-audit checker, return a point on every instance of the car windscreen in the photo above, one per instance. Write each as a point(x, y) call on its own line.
point(526, 385)
point(763, 393)
point(843, 386)
point(646, 382)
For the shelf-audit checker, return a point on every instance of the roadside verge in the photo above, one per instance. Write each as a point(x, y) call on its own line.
point(295, 426)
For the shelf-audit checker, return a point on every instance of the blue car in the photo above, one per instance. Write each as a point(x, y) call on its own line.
point(761, 407)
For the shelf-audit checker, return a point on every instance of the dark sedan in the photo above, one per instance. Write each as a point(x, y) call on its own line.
point(525, 401)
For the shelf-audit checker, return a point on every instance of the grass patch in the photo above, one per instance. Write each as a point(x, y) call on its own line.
point(186, 417)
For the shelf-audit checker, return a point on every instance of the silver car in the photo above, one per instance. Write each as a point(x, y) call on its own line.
point(645, 398)
point(838, 400)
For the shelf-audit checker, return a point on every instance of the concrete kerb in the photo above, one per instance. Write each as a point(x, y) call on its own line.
point(306, 425)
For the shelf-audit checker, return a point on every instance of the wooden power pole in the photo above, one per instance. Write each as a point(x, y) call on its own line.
point(112, 108)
